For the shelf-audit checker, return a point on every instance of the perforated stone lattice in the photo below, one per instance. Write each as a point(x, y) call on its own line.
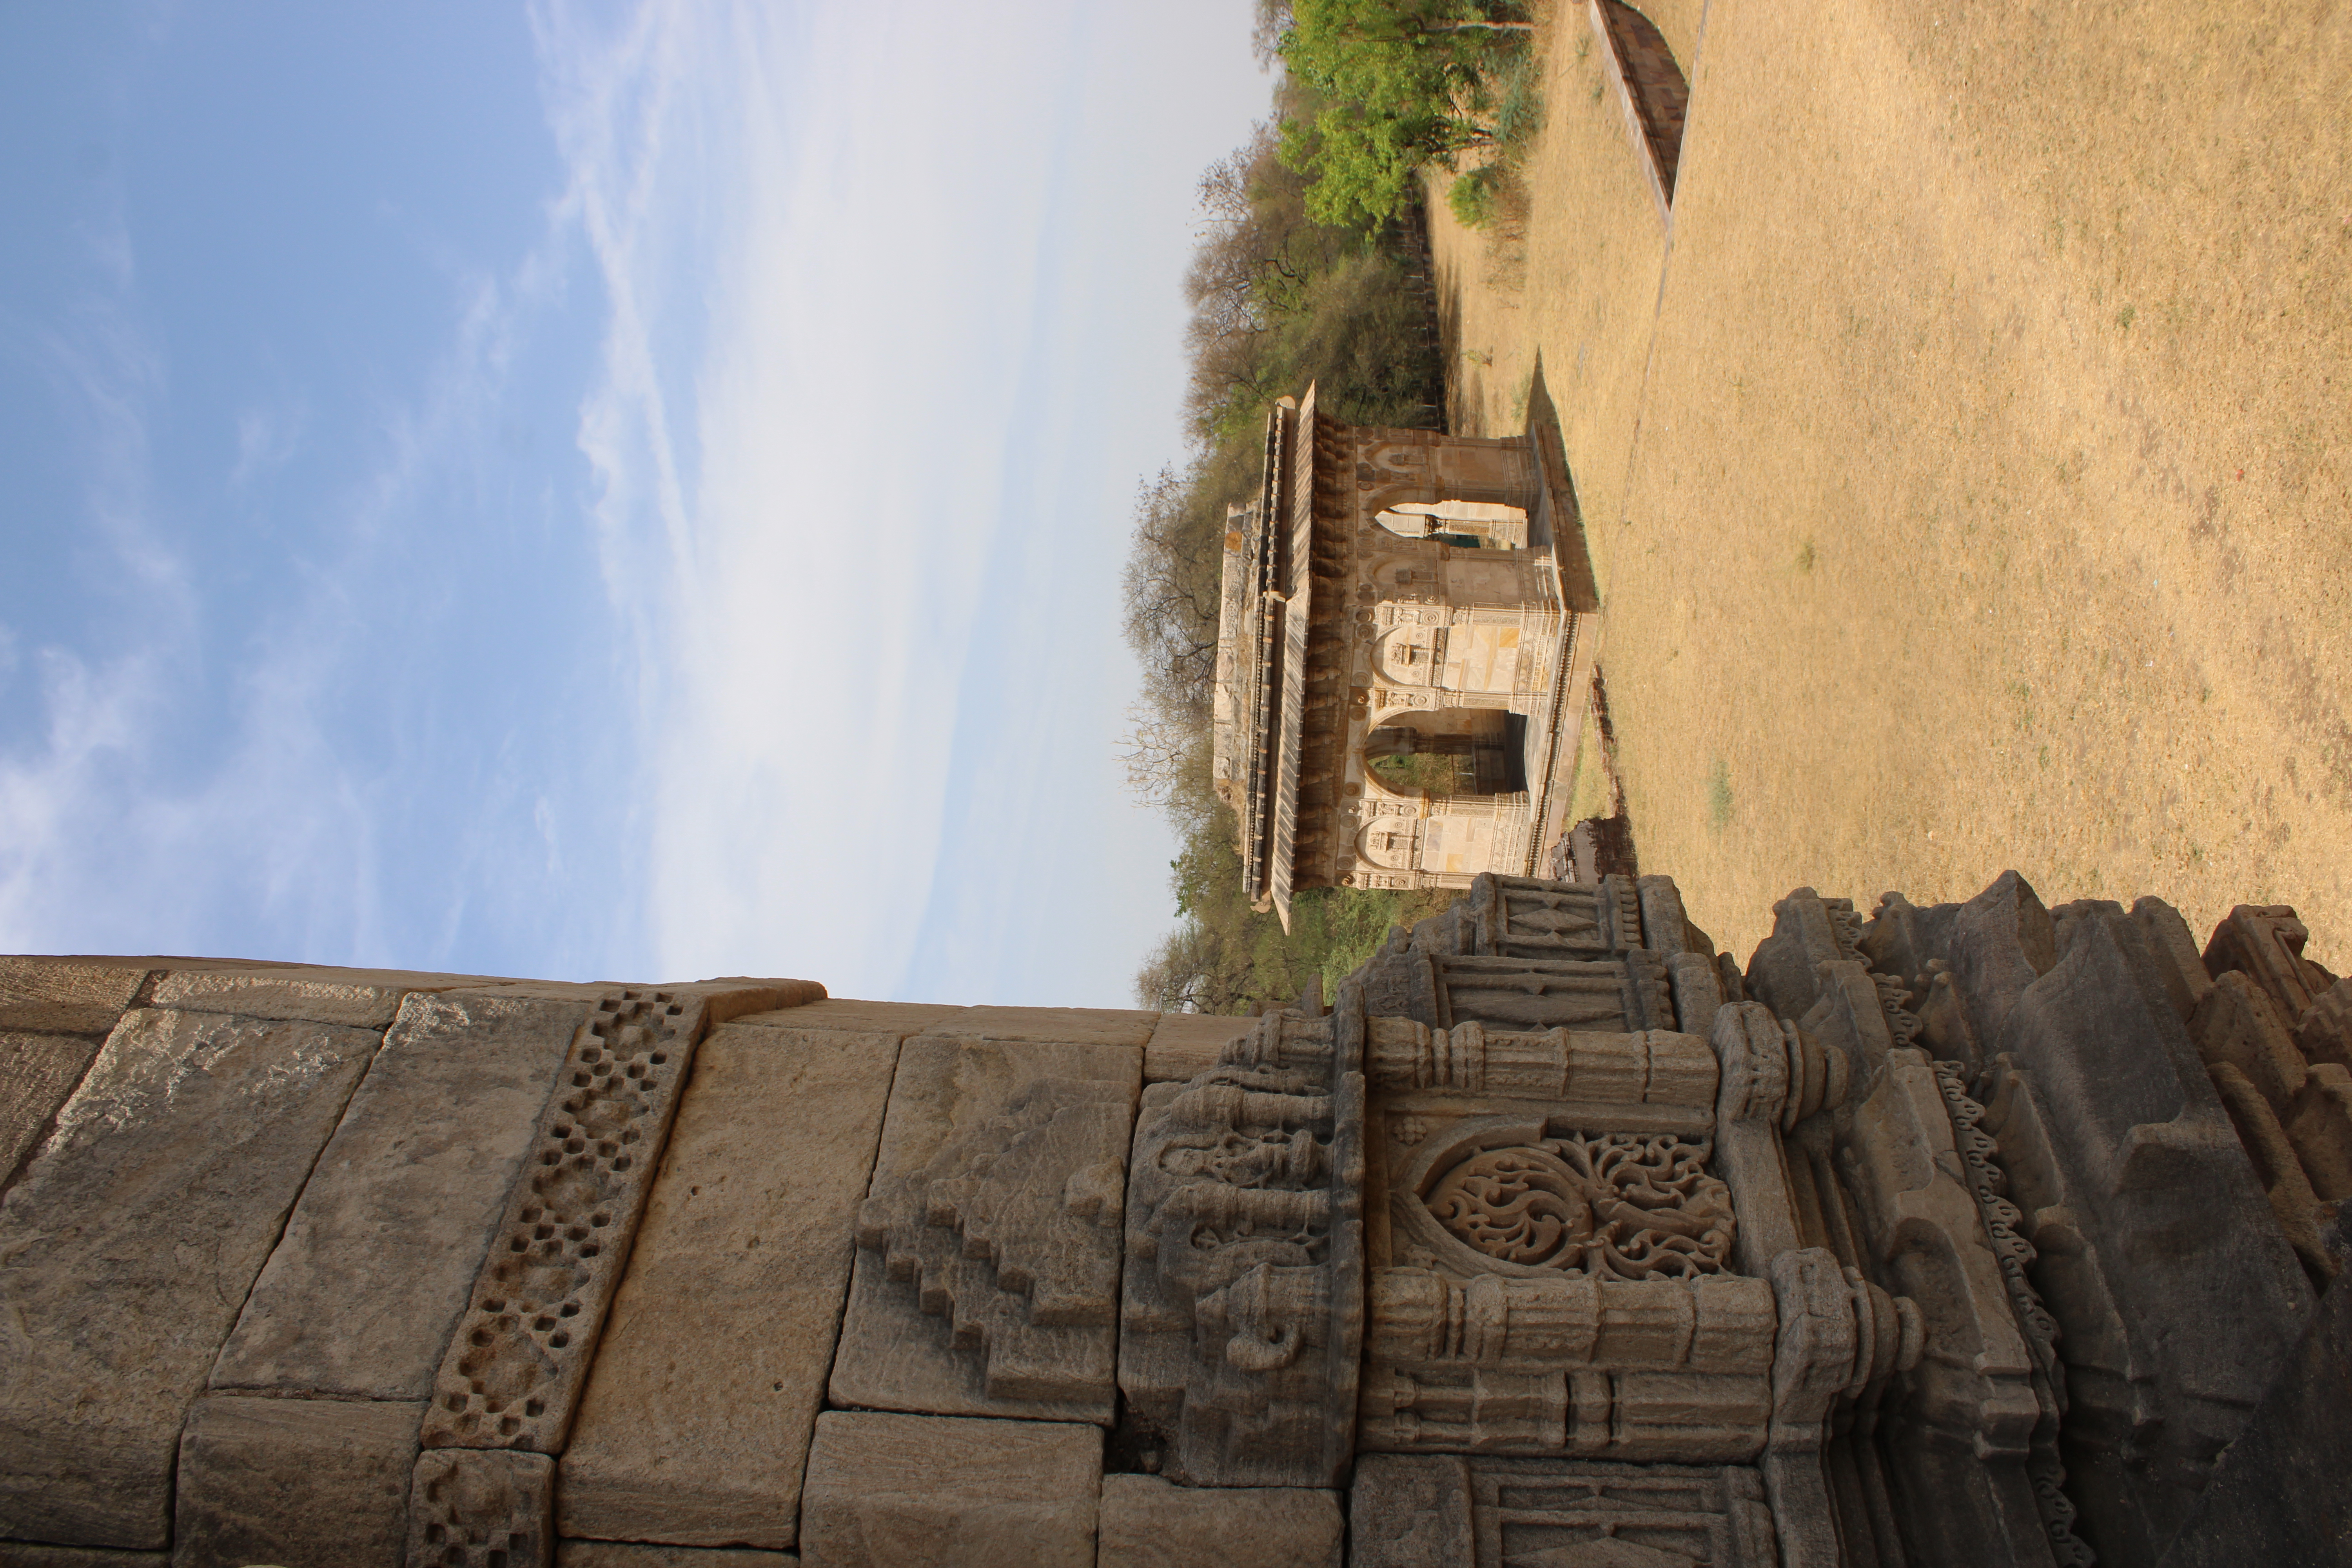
point(513, 1373)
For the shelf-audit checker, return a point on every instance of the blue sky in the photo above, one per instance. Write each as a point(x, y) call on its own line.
point(625, 491)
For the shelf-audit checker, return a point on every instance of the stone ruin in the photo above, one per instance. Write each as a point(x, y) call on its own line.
point(1977, 1234)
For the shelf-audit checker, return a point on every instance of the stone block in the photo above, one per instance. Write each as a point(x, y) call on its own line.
point(482, 1507)
point(2128, 1112)
point(66, 995)
point(915, 1491)
point(1055, 1026)
point(1184, 1044)
point(37, 1074)
point(853, 1017)
point(31, 1554)
point(2264, 943)
point(1146, 1522)
point(644, 1554)
point(302, 1483)
point(363, 999)
point(2326, 1033)
point(750, 1222)
point(2320, 1127)
point(2237, 1025)
point(743, 997)
point(362, 1295)
point(513, 1373)
point(2177, 959)
point(1408, 1511)
point(130, 1241)
point(2292, 1203)
point(987, 1274)
point(2002, 940)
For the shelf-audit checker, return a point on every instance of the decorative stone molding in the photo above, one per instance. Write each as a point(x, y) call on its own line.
point(1241, 1314)
point(469, 1507)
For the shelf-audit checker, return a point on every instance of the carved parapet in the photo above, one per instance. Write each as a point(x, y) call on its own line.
point(1243, 1304)
point(1629, 991)
point(1520, 917)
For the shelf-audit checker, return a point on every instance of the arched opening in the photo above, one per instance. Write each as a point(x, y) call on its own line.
point(1655, 83)
point(1449, 752)
point(1464, 524)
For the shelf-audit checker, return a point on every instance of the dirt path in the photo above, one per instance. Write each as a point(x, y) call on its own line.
point(1967, 479)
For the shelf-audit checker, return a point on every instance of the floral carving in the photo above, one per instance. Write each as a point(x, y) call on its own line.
point(1619, 1205)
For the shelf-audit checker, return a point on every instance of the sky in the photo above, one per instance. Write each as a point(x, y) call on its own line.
point(615, 491)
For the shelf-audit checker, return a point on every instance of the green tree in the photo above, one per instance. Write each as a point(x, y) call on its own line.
point(1403, 83)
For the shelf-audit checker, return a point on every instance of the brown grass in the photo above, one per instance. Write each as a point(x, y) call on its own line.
point(1968, 481)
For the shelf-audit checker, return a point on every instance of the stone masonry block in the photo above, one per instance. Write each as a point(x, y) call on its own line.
point(66, 995)
point(513, 1373)
point(482, 1507)
point(2238, 1024)
point(361, 1296)
point(302, 1483)
point(987, 1273)
point(919, 1491)
point(849, 1016)
point(642, 1555)
point(33, 1554)
point(2320, 1127)
point(1408, 1511)
point(364, 999)
point(2326, 1033)
point(2177, 958)
point(36, 1073)
point(750, 1222)
point(131, 1240)
point(1184, 1044)
point(1146, 1522)
point(1075, 1026)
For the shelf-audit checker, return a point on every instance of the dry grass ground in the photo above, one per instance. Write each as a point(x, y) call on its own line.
point(1966, 477)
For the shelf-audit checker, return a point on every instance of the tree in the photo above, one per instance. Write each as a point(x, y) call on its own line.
point(1403, 85)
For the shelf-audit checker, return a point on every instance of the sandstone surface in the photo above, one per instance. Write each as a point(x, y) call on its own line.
point(909, 1492)
point(361, 1296)
point(129, 1243)
point(36, 1073)
point(750, 1222)
point(1146, 1522)
point(302, 1483)
point(997, 1296)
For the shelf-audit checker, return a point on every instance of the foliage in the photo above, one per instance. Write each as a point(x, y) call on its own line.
point(1400, 84)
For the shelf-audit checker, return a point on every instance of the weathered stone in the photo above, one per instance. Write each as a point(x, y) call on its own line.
point(1408, 1511)
point(734, 996)
point(642, 1555)
point(2326, 1033)
point(1058, 1026)
point(31, 1554)
point(1808, 930)
point(1242, 1309)
point(2175, 952)
point(513, 1371)
point(1184, 1044)
point(2238, 1024)
point(1146, 1522)
point(1429, 1510)
point(2264, 943)
point(2320, 1127)
point(916, 1491)
point(482, 1507)
point(362, 1295)
point(2002, 941)
point(66, 995)
point(2282, 1494)
point(307, 1483)
point(2279, 1172)
point(128, 1246)
point(987, 1274)
point(363, 999)
point(2126, 1110)
point(750, 1223)
point(37, 1072)
point(853, 1017)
